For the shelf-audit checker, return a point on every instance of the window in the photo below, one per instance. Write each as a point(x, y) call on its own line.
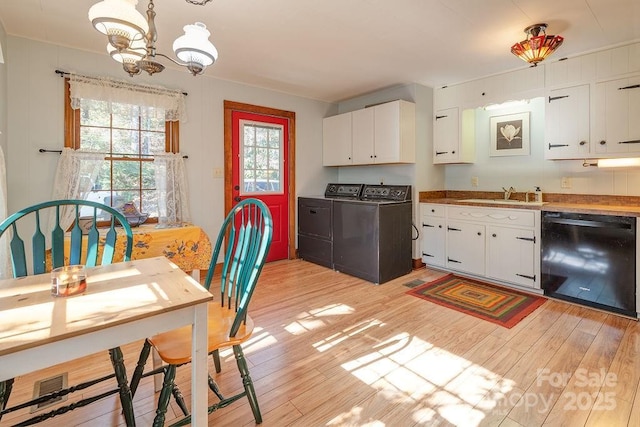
point(262, 154)
point(128, 135)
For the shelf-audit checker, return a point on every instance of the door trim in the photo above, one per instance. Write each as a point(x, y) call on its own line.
point(229, 107)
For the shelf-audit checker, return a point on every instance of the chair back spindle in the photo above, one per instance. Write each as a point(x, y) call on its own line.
point(78, 254)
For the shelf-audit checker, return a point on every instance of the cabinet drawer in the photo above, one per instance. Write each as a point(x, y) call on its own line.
point(518, 217)
point(431, 209)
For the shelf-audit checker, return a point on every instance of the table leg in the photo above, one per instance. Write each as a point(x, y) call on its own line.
point(199, 388)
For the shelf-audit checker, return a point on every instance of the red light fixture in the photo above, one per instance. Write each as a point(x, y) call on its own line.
point(537, 46)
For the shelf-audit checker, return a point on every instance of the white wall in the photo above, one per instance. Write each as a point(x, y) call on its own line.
point(36, 112)
point(525, 172)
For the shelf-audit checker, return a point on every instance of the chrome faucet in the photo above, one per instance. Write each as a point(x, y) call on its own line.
point(507, 193)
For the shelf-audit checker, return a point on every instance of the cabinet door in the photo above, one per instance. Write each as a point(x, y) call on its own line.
point(336, 140)
point(617, 108)
point(465, 247)
point(387, 133)
point(511, 255)
point(446, 136)
point(362, 124)
point(433, 240)
point(567, 123)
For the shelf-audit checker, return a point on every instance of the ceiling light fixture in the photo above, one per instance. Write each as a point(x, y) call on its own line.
point(132, 38)
point(537, 46)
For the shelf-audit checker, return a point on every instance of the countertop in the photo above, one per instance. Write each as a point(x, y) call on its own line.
point(606, 205)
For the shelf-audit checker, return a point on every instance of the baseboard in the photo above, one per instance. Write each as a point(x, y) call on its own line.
point(418, 264)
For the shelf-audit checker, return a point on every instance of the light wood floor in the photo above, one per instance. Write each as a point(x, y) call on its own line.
point(333, 350)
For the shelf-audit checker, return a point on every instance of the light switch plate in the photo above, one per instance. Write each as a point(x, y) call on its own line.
point(565, 182)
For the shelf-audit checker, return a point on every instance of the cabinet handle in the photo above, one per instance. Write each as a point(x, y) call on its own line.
point(439, 226)
point(454, 260)
point(441, 152)
point(441, 117)
point(423, 254)
point(629, 87)
point(582, 142)
point(494, 235)
point(557, 145)
point(603, 142)
point(633, 141)
point(528, 239)
point(553, 98)
point(433, 210)
point(479, 233)
point(453, 229)
point(312, 211)
point(527, 277)
point(427, 225)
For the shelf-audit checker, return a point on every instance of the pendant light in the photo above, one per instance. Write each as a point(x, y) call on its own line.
point(132, 38)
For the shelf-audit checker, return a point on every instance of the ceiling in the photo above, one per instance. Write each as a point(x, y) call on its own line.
point(332, 50)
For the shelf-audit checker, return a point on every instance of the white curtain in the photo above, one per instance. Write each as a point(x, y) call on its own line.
point(121, 92)
point(5, 261)
point(76, 173)
point(173, 193)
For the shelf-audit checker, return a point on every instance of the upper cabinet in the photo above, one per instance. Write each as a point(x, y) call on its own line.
point(453, 136)
point(336, 140)
point(616, 127)
point(385, 133)
point(567, 123)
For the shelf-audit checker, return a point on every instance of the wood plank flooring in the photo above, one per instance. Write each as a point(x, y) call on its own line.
point(333, 350)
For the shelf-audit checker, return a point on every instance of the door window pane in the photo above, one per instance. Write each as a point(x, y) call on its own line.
point(262, 162)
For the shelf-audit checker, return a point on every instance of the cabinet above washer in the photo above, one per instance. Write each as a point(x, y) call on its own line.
point(380, 134)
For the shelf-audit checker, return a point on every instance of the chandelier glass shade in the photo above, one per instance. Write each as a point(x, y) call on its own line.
point(132, 39)
point(537, 46)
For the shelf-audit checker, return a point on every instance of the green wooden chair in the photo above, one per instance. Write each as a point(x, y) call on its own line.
point(38, 258)
point(246, 233)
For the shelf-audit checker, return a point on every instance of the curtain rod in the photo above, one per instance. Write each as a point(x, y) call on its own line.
point(67, 74)
point(44, 150)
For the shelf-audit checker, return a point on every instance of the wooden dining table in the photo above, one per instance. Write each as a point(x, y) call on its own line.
point(124, 302)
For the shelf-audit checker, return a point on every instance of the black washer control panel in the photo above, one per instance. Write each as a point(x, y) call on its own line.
point(394, 193)
point(344, 191)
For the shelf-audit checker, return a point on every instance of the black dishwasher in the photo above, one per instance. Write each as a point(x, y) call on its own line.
point(590, 259)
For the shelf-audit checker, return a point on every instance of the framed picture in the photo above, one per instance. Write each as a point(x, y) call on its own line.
point(510, 135)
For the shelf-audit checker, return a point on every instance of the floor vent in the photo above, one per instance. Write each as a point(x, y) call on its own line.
point(49, 385)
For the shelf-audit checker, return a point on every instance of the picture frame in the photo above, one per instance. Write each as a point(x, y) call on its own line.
point(509, 135)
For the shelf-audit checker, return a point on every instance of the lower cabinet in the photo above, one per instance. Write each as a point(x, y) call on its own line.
point(497, 243)
point(465, 247)
point(510, 254)
point(434, 229)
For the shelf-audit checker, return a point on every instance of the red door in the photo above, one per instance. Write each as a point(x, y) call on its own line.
point(259, 152)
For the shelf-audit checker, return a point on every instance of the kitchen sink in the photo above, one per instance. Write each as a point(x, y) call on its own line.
point(504, 202)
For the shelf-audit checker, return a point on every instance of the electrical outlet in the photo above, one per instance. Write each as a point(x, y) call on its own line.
point(565, 182)
point(474, 181)
point(218, 172)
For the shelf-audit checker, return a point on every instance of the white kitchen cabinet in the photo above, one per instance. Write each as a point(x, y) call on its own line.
point(385, 133)
point(616, 127)
point(567, 123)
point(394, 132)
point(465, 247)
point(454, 136)
point(571, 71)
point(336, 140)
point(510, 255)
point(362, 131)
point(502, 244)
point(433, 234)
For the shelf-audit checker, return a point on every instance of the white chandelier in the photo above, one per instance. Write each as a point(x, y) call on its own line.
point(132, 38)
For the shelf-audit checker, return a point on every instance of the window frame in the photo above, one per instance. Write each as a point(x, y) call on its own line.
point(72, 135)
